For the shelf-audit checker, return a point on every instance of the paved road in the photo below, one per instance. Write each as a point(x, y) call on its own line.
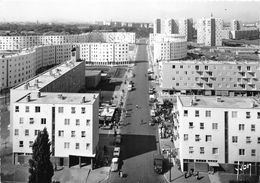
point(140, 141)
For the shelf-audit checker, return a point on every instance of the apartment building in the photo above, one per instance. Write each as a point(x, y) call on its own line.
point(252, 33)
point(19, 67)
point(71, 120)
point(235, 25)
point(157, 27)
point(119, 37)
point(186, 28)
point(218, 133)
point(171, 26)
point(169, 47)
point(209, 31)
point(105, 53)
point(226, 78)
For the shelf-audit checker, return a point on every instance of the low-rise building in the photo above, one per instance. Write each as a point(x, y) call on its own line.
point(228, 78)
point(217, 133)
point(245, 34)
point(92, 78)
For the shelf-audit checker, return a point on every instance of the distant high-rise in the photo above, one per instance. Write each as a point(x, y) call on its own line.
point(235, 25)
point(186, 28)
point(157, 28)
point(171, 26)
point(209, 31)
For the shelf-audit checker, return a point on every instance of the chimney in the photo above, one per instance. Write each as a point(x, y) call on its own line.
point(36, 81)
point(253, 104)
point(94, 96)
point(83, 99)
point(60, 96)
point(39, 94)
point(28, 98)
point(36, 85)
point(191, 102)
point(194, 98)
point(26, 85)
point(50, 72)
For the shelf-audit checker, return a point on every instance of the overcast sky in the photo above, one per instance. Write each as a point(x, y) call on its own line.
point(125, 10)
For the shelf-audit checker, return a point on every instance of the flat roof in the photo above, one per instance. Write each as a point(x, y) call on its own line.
point(92, 72)
point(59, 98)
point(42, 80)
point(171, 62)
point(226, 102)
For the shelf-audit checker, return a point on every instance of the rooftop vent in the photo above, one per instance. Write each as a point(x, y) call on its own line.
point(219, 99)
point(60, 96)
point(191, 102)
point(26, 85)
point(94, 96)
point(39, 94)
point(83, 99)
point(28, 98)
point(253, 104)
point(50, 72)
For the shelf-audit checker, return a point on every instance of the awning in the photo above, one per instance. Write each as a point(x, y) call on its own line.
point(213, 164)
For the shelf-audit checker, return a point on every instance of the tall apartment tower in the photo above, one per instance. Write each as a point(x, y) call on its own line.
point(186, 28)
point(157, 27)
point(235, 25)
point(209, 31)
point(171, 26)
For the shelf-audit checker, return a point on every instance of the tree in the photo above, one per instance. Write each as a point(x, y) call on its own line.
point(41, 169)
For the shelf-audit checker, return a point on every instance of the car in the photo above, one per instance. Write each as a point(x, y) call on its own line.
point(114, 164)
point(118, 139)
point(116, 152)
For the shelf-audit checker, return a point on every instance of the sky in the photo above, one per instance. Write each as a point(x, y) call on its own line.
point(125, 10)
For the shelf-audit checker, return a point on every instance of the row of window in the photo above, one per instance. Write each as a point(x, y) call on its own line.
point(26, 132)
point(72, 133)
point(214, 126)
point(215, 151)
point(234, 114)
point(32, 121)
point(206, 67)
point(66, 145)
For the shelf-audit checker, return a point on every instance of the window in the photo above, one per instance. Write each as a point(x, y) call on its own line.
point(21, 120)
point(247, 115)
point(191, 125)
point(258, 115)
point(208, 138)
point(258, 140)
point(61, 133)
point(60, 110)
point(202, 150)
point(73, 134)
point(37, 109)
point(248, 139)
point(197, 113)
point(214, 126)
point(87, 122)
point(197, 138)
point(241, 152)
point(26, 132)
point(83, 133)
point(87, 145)
point(191, 150)
point(234, 139)
point(77, 122)
point(77, 145)
point(30, 143)
point(16, 132)
point(201, 126)
point(214, 150)
point(73, 110)
point(67, 121)
point(16, 108)
point(241, 127)
point(253, 152)
point(185, 113)
point(43, 121)
point(31, 120)
point(185, 137)
point(173, 66)
point(36, 132)
point(83, 110)
point(20, 143)
point(234, 114)
point(208, 113)
point(27, 109)
point(252, 128)
point(66, 145)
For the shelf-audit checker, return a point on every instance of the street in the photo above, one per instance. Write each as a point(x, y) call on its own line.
point(140, 141)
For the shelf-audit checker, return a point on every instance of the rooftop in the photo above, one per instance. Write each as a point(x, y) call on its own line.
point(210, 62)
point(219, 102)
point(92, 72)
point(42, 80)
point(59, 98)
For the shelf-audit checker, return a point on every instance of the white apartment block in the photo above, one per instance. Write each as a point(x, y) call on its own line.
point(218, 132)
point(235, 25)
point(21, 66)
point(157, 26)
point(226, 78)
point(209, 31)
point(105, 53)
point(71, 120)
point(186, 28)
point(169, 47)
point(171, 26)
point(21, 42)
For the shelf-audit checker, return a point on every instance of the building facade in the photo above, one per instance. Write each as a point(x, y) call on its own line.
point(218, 133)
point(229, 78)
point(186, 28)
point(245, 34)
point(209, 31)
point(157, 26)
point(235, 25)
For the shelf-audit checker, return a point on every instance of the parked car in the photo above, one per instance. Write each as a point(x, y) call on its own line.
point(116, 152)
point(114, 164)
point(118, 139)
